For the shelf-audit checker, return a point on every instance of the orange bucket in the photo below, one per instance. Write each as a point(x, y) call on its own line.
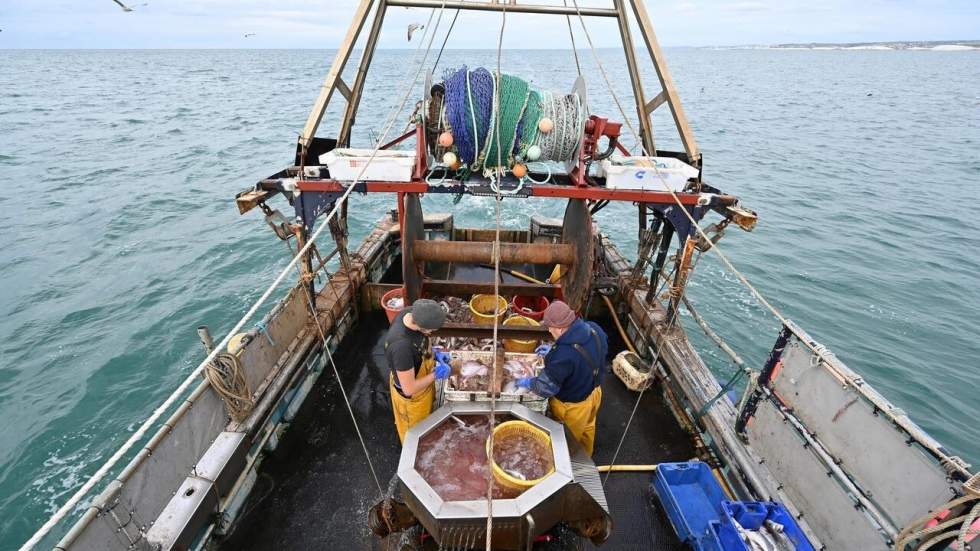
point(392, 312)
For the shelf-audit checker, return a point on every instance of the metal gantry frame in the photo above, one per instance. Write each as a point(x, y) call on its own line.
point(620, 10)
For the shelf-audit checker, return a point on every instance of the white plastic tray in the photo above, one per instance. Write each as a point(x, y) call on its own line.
point(531, 400)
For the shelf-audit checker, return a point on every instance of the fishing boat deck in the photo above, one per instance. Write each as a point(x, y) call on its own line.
point(315, 489)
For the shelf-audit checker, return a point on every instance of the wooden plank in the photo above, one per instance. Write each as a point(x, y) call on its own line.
point(250, 199)
point(354, 100)
point(339, 62)
point(639, 97)
point(666, 81)
point(656, 102)
point(344, 89)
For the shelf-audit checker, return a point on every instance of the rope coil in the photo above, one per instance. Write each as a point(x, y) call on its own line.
point(227, 378)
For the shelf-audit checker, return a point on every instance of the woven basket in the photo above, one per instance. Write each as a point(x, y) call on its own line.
point(633, 371)
point(511, 429)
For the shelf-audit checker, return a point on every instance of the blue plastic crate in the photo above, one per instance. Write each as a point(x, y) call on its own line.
point(723, 536)
point(691, 497)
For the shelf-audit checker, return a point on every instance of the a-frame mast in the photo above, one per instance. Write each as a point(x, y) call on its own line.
point(619, 10)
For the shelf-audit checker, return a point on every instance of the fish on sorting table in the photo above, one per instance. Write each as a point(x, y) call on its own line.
point(518, 369)
point(473, 368)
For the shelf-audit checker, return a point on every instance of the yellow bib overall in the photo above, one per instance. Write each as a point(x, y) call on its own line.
point(579, 417)
point(409, 411)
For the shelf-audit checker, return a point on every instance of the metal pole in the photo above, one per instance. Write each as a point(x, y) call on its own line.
point(500, 7)
point(681, 277)
point(666, 235)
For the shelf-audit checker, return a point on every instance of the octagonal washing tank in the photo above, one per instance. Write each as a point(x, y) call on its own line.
point(443, 473)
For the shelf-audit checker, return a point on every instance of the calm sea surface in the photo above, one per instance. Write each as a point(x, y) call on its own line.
point(120, 234)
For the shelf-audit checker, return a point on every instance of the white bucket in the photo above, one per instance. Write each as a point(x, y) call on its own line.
point(647, 173)
point(387, 165)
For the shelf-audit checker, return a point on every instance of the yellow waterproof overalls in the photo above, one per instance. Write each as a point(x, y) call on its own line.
point(409, 411)
point(580, 417)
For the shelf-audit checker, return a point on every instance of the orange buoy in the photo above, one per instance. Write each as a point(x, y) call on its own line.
point(546, 125)
point(446, 139)
point(519, 170)
point(456, 165)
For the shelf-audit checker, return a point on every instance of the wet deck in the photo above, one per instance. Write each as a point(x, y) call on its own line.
point(315, 490)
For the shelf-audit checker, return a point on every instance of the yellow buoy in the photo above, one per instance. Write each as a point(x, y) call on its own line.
point(449, 158)
point(236, 343)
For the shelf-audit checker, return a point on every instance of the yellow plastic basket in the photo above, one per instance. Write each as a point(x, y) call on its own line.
point(514, 345)
point(481, 308)
point(510, 429)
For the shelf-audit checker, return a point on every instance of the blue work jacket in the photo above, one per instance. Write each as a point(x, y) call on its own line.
point(567, 375)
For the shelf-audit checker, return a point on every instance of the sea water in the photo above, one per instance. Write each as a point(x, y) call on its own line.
point(120, 234)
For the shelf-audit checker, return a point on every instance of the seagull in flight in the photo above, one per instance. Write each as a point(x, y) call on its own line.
point(123, 6)
point(412, 28)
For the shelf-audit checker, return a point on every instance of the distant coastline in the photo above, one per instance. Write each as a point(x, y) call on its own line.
point(934, 45)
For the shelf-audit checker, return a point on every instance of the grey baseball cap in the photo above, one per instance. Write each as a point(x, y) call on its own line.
point(427, 314)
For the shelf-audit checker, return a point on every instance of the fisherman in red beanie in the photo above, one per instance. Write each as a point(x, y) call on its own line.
point(573, 370)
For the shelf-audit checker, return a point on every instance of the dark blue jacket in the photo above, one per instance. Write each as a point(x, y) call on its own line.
point(567, 375)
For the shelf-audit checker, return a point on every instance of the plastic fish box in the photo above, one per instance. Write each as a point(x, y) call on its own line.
point(530, 400)
point(751, 515)
point(647, 173)
point(386, 166)
point(691, 497)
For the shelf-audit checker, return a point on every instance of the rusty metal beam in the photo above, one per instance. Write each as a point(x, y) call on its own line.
point(482, 252)
point(472, 330)
point(461, 288)
point(510, 7)
point(537, 190)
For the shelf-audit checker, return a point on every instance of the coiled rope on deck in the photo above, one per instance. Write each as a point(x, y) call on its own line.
point(227, 378)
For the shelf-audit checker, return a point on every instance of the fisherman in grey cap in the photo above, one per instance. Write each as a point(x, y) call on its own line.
point(413, 363)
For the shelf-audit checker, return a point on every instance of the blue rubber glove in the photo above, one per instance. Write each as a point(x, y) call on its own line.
point(543, 350)
point(442, 370)
point(524, 382)
point(439, 355)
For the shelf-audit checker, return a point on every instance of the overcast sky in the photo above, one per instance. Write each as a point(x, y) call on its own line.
point(322, 23)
